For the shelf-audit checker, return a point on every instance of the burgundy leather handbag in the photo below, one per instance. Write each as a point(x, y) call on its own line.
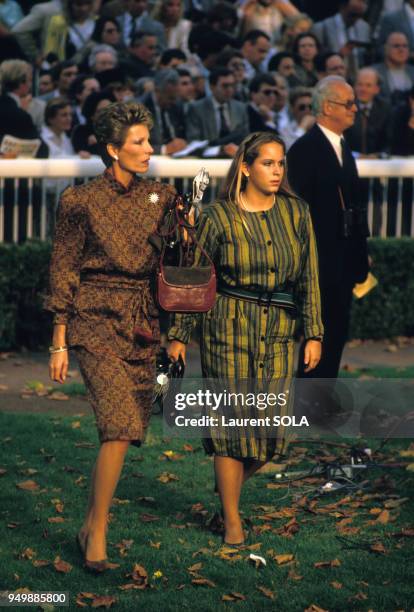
point(186, 289)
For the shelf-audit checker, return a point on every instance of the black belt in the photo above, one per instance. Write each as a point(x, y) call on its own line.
point(277, 298)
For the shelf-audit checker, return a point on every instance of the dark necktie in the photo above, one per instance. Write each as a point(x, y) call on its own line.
point(364, 128)
point(224, 126)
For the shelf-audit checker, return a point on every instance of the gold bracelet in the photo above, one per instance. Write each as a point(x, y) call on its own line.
point(58, 349)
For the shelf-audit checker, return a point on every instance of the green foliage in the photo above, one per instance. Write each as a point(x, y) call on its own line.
point(23, 281)
point(386, 312)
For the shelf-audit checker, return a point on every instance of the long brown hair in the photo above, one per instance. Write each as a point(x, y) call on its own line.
point(247, 152)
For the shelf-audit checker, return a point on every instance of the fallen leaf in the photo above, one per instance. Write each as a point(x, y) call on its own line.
point(233, 597)
point(120, 502)
point(294, 576)
point(188, 448)
point(62, 566)
point(270, 594)
point(315, 608)
point(2, 471)
point(58, 395)
point(56, 519)
point(360, 596)
point(257, 560)
point(402, 453)
point(149, 518)
point(140, 576)
point(28, 485)
point(123, 546)
point(195, 568)
point(383, 518)
point(27, 553)
point(75, 424)
point(283, 559)
point(395, 503)
point(103, 601)
point(155, 544)
point(322, 564)
point(405, 532)
point(40, 562)
point(378, 547)
point(166, 477)
point(336, 585)
point(203, 582)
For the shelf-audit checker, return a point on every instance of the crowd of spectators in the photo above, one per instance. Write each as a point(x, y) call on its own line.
point(209, 71)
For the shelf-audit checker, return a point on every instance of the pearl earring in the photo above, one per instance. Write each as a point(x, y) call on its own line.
point(116, 157)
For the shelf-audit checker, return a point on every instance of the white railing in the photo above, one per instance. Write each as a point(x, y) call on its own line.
point(29, 186)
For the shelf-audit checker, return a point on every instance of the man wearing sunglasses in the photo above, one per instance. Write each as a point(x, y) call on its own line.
point(263, 93)
point(323, 172)
point(300, 113)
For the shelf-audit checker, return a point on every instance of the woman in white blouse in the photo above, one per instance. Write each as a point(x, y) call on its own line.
point(177, 29)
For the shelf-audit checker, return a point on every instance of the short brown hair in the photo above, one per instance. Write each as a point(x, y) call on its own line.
point(113, 122)
point(53, 107)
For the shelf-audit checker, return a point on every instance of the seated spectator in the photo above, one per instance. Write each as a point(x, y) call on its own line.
point(58, 121)
point(301, 117)
point(81, 88)
point(16, 87)
point(136, 19)
point(401, 20)
point(218, 118)
point(222, 17)
point(284, 63)
point(233, 60)
point(142, 53)
point(330, 64)
point(397, 75)
point(172, 58)
point(294, 25)
point(170, 14)
point(402, 132)
point(255, 47)
point(29, 32)
point(102, 57)
point(281, 106)
point(305, 48)
point(370, 133)
point(199, 80)
point(63, 75)
point(263, 94)
point(186, 89)
point(68, 33)
point(108, 32)
point(267, 16)
point(168, 133)
point(45, 83)
point(346, 33)
point(205, 45)
point(83, 137)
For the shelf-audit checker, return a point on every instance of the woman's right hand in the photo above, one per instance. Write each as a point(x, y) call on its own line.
point(176, 349)
point(58, 366)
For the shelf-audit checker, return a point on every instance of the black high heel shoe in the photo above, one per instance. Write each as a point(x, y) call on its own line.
point(95, 567)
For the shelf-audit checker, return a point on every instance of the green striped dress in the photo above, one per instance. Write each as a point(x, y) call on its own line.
point(266, 251)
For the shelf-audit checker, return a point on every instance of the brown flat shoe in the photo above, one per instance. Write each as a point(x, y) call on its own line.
point(96, 567)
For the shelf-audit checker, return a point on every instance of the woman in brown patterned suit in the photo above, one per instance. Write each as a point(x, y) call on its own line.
point(100, 294)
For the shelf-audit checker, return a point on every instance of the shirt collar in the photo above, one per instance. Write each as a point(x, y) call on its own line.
point(119, 187)
point(334, 138)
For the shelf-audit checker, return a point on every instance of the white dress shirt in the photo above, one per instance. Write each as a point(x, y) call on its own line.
point(335, 141)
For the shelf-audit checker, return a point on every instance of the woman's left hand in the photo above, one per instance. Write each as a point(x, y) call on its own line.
point(312, 356)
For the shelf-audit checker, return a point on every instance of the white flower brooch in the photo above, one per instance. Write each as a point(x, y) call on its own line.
point(153, 198)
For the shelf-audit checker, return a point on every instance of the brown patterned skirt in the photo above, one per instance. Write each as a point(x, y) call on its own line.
point(120, 393)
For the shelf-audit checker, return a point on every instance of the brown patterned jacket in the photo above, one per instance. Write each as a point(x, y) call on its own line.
point(102, 266)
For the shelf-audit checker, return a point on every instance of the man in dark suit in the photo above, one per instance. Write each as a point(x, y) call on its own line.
point(168, 132)
point(370, 136)
point(322, 171)
point(398, 21)
point(219, 118)
point(263, 93)
point(16, 86)
point(370, 133)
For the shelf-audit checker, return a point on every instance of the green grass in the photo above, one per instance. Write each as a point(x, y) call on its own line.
point(48, 444)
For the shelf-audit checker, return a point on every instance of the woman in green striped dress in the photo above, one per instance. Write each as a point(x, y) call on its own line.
point(261, 240)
